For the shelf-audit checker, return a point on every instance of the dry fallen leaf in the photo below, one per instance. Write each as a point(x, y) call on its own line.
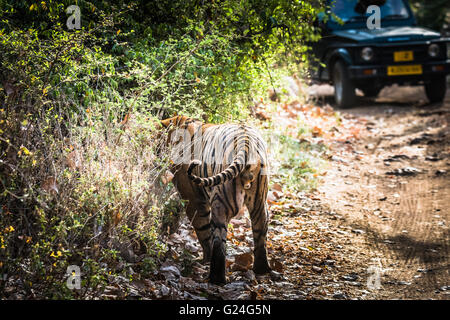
point(277, 187)
point(243, 262)
point(116, 217)
point(73, 160)
point(49, 185)
point(276, 265)
point(167, 177)
point(228, 263)
point(262, 115)
point(317, 131)
point(273, 196)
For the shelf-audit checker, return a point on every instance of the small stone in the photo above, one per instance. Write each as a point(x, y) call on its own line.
point(355, 283)
point(339, 295)
point(250, 275)
point(133, 293)
point(317, 269)
point(170, 272)
point(329, 262)
point(164, 290)
point(350, 277)
point(407, 171)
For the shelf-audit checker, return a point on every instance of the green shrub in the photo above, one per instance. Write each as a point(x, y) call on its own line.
point(80, 163)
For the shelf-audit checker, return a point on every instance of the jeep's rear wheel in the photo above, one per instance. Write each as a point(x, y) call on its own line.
point(344, 89)
point(435, 89)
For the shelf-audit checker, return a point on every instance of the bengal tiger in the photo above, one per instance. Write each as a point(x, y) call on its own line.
point(225, 167)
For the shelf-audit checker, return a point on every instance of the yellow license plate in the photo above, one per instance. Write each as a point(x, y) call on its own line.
point(400, 56)
point(404, 70)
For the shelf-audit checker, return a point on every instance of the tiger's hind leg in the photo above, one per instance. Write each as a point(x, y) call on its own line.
point(259, 216)
point(259, 229)
point(225, 204)
point(198, 213)
point(219, 236)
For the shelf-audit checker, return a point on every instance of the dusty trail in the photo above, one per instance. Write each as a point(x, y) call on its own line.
point(394, 186)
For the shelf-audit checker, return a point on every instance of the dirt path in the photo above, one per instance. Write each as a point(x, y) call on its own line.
point(393, 186)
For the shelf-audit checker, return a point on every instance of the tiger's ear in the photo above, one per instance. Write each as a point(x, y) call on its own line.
point(159, 126)
point(172, 121)
point(166, 122)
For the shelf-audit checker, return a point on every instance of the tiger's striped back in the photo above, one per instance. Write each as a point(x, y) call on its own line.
point(226, 151)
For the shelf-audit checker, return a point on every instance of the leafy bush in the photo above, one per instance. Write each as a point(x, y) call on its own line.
point(80, 163)
point(432, 14)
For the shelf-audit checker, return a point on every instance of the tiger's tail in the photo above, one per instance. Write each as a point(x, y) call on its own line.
point(233, 170)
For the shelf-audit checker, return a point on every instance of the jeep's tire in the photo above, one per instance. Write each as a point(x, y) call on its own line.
point(371, 92)
point(344, 89)
point(435, 89)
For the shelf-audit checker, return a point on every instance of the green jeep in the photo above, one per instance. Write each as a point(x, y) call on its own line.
point(354, 54)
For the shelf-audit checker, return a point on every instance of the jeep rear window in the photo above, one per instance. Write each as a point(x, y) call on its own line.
point(391, 9)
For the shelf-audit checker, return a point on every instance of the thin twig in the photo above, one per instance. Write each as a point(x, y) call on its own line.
point(271, 79)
